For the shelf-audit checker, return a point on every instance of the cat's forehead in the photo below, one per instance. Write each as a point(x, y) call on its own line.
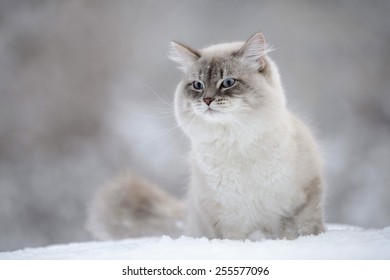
point(215, 67)
point(209, 69)
point(221, 62)
point(217, 61)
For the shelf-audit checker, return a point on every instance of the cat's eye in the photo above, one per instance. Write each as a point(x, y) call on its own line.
point(229, 82)
point(198, 85)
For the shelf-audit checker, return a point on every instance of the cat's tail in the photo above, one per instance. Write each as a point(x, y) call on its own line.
point(133, 207)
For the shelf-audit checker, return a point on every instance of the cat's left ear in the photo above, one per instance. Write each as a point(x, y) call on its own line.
point(183, 55)
point(254, 50)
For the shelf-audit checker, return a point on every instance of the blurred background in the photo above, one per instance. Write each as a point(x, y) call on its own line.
point(86, 93)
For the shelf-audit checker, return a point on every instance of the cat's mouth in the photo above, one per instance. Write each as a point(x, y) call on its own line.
point(212, 111)
point(214, 115)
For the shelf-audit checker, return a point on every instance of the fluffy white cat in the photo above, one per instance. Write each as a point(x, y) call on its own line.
point(256, 168)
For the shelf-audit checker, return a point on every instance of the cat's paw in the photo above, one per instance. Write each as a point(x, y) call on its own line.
point(257, 235)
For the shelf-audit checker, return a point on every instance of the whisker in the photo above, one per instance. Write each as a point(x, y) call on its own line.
point(163, 129)
point(177, 142)
point(165, 132)
point(156, 116)
point(155, 94)
point(152, 105)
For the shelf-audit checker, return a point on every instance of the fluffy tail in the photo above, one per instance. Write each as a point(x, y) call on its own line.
point(133, 207)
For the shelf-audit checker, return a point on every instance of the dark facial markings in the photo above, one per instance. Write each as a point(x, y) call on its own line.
point(216, 72)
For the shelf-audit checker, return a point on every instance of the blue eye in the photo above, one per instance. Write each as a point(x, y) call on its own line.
point(198, 85)
point(229, 82)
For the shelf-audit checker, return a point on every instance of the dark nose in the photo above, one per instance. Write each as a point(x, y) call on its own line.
point(208, 100)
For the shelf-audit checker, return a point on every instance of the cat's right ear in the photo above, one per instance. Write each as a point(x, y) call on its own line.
point(183, 55)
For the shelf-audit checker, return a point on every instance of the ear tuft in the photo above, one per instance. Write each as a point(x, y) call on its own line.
point(183, 55)
point(254, 51)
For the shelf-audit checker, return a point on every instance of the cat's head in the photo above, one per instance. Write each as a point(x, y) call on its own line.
point(227, 85)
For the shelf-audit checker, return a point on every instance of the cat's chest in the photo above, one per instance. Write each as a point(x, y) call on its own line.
point(228, 167)
point(245, 185)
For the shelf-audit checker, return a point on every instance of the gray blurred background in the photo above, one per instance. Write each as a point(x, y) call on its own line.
point(86, 91)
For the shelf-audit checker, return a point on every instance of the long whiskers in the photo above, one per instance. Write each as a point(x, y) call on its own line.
point(164, 132)
point(163, 115)
point(159, 112)
point(193, 116)
point(157, 95)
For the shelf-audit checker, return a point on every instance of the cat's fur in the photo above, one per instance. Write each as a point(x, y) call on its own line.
point(256, 169)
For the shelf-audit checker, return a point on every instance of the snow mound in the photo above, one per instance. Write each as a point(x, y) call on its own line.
point(339, 242)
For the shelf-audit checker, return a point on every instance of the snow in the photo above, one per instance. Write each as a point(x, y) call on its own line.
point(339, 242)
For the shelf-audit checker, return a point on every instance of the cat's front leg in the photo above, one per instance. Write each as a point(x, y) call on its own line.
point(307, 219)
point(257, 235)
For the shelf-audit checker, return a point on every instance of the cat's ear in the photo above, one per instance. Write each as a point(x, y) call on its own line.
point(183, 55)
point(254, 50)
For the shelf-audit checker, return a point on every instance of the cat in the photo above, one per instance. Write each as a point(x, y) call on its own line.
point(256, 171)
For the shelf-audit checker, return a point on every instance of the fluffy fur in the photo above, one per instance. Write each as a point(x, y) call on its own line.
point(256, 169)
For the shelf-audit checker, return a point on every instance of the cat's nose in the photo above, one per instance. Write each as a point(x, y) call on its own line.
point(208, 100)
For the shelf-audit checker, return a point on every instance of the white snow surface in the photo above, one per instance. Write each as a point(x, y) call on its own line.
point(339, 242)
